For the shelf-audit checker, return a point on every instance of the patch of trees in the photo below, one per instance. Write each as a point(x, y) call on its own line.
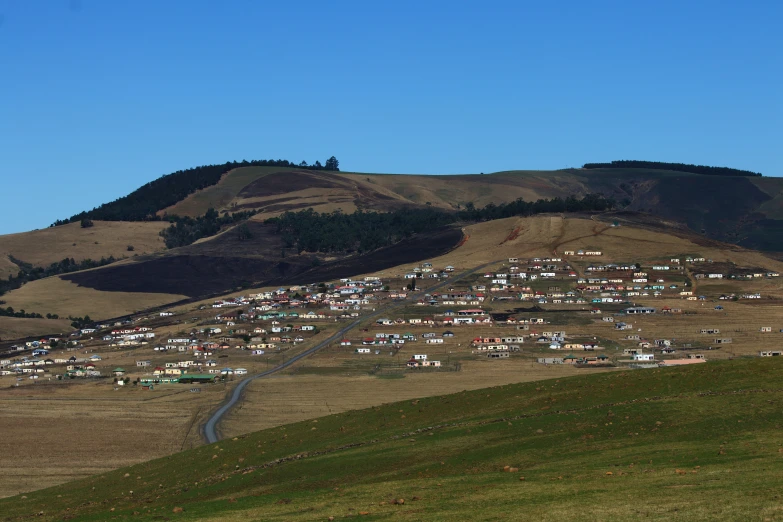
point(145, 202)
point(80, 322)
point(361, 231)
point(357, 232)
point(588, 203)
point(187, 230)
point(678, 167)
point(10, 312)
point(28, 272)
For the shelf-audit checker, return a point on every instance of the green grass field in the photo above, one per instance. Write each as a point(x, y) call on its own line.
point(690, 443)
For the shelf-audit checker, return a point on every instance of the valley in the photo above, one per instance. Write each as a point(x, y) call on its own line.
point(564, 302)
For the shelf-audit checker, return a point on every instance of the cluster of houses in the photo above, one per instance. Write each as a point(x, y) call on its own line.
point(582, 253)
point(598, 360)
point(347, 295)
point(426, 270)
point(35, 365)
point(421, 361)
point(603, 283)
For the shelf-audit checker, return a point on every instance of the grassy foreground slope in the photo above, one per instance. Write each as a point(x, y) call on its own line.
point(690, 443)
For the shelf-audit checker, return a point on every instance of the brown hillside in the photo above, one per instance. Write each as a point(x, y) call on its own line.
point(7, 267)
point(16, 328)
point(57, 296)
point(103, 239)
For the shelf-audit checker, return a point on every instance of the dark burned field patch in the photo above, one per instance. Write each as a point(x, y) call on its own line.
point(204, 272)
point(285, 182)
point(422, 246)
point(191, 275)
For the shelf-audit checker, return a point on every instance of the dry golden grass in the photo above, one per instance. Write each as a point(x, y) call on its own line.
point(16, 328)
point(219, 196)
point(55, 433)
point(419, 189)
point(487, 242)
point(741, 321)
point(448, 192)
point(54, 295)
point(7, 267)
point(290, 398)
point(103, 239)
point(547, 235)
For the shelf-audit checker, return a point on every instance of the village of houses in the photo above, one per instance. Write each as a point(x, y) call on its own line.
point(568, 310)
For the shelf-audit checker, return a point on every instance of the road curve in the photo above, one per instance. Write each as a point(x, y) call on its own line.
point(211, 425)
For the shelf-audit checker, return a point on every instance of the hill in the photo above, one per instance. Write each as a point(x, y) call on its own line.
point(742, 210)
point(689, 443)
point(103, 239)
point(225, 263)
point(701, 202)
point(724, 204)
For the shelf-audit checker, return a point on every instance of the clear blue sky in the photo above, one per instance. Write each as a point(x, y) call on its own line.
point(97, 97)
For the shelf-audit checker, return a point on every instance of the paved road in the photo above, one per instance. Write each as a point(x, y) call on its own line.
point(210, 427)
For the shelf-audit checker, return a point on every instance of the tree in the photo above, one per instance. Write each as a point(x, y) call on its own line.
point(318, 165)
point(332, 164)
point(86, 223)
point(243, 232)
point(130, 248)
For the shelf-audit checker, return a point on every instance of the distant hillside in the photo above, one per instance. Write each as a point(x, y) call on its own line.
point(704, 438)
point(678, 167)
point(724, 204)
point(144, 203)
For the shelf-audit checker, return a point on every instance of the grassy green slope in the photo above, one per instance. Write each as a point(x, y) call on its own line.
point(691, 443)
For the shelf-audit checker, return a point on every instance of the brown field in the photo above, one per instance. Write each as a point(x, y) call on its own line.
point(449, 191)
point(546, 235)
point(218, 196)
point(90, 418)
point(103, 239)
point(54, 295)
point(290, 398)
point(55, 433)
point(16, 328)
point(328, 191)
point(7, 267)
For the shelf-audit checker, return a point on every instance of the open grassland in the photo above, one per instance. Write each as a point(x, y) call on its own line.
point(7, 267)
point(314, 391)
point(58, 432)
point(691, 443)
point(450, 191)
point(244, 188)
point(220, 196)
point(103, 239)
point(56, 296)
point(548, 235)
point(17, 328)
